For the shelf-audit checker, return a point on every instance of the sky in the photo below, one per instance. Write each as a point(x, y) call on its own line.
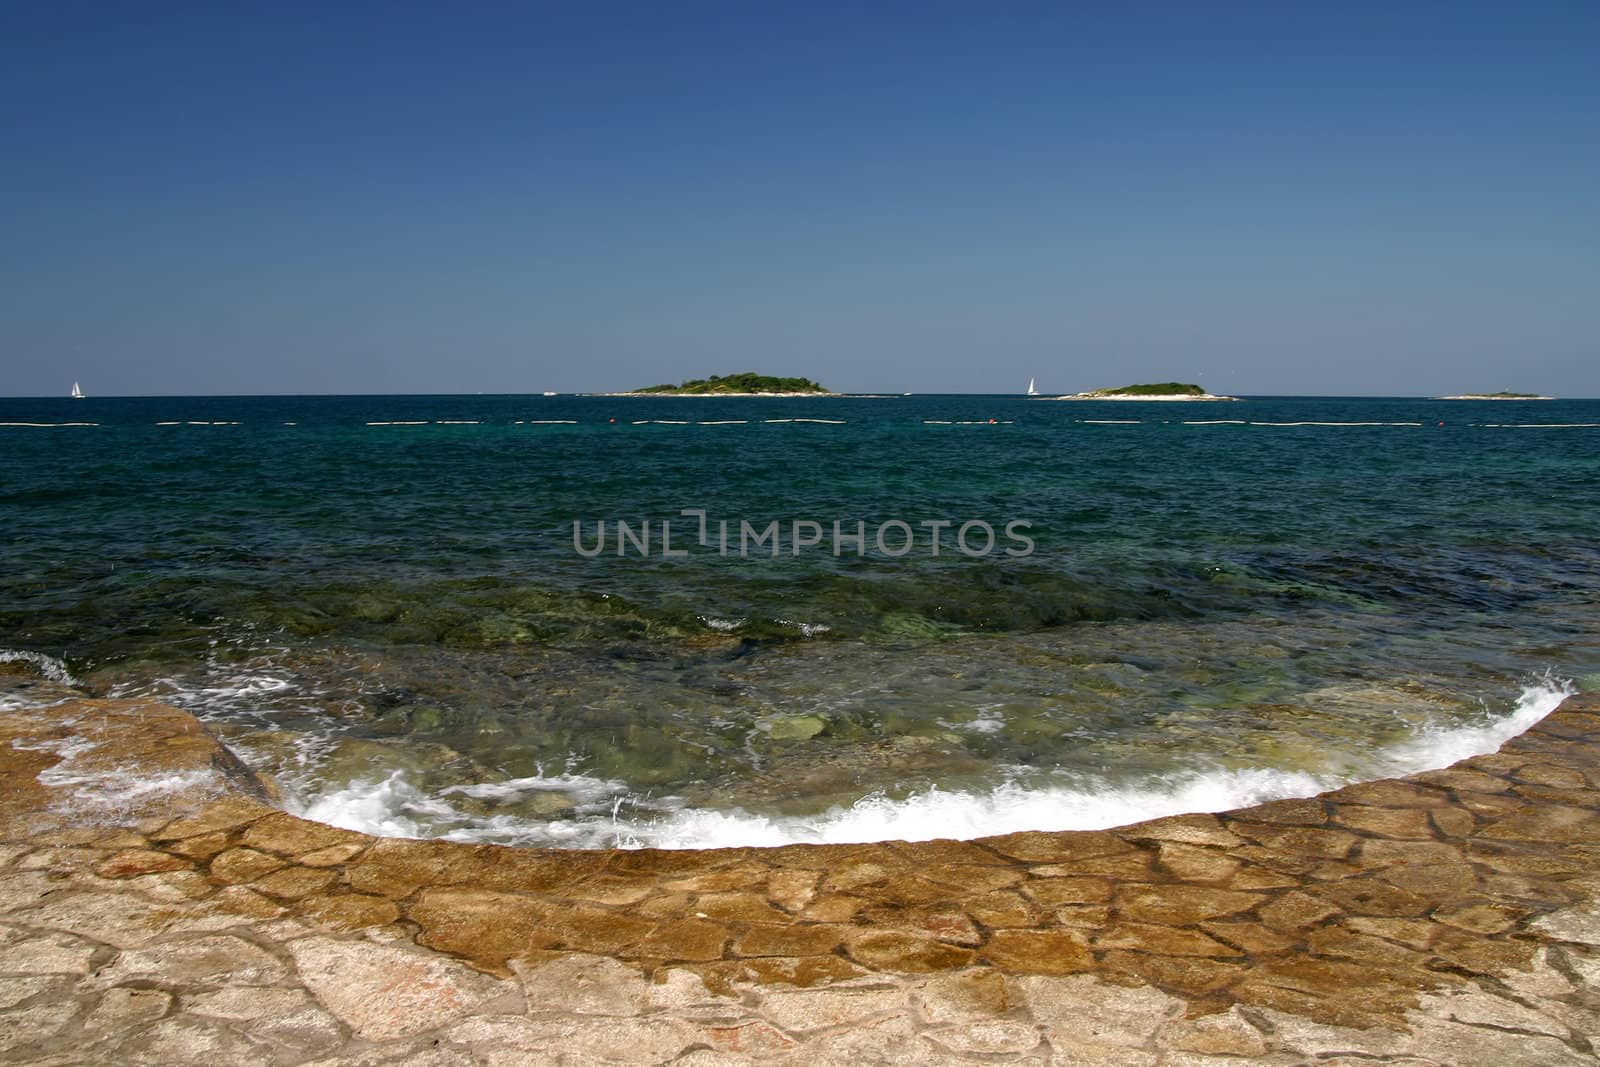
point(1345, 199)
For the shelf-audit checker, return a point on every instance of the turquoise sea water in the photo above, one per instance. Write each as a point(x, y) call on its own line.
point(380, 600)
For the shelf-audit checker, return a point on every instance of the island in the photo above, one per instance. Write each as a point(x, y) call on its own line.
point(1148, 391)
point(747, 383)
point(1495, 396)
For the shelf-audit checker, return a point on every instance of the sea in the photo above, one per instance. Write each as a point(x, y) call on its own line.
point(594, 622)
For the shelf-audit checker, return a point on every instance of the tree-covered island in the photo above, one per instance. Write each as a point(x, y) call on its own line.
point(1150, 391)
point(747, 383)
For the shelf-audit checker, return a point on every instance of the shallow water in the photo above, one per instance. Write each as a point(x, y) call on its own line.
point(1223, 602)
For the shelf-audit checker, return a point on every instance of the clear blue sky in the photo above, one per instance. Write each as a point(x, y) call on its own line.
point(1390, 198)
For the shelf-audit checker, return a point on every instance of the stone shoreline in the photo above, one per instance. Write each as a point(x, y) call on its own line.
point(1451, 917)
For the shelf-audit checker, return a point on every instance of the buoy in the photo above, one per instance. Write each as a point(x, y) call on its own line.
point(611, 420)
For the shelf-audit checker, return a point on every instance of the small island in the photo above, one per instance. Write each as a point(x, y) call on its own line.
point(747, 383)
point(1495, 396)
point(1149, 391)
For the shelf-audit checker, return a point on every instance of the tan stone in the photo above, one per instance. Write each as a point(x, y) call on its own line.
point(211, 959)
point(382, 992)
point(1193, 863)
point(770, 939)
point(1415, 933)
point(1454, 822)
point(1548, 822)
point(1039, 951)
point(1162, 940)
point(1083, 916)
point(344, 912)
point(738, 907)
point(15, 990)
point(201, 847)
point(1368, 896)
point(1058, 848)
point(292, 883)
point(489, 927)
point(792, 890)
point(755, 1038)
point(614, 891)
point(894, 951)
point(1295, 911)
point(1436, 881)
point(138, 861)
point(1181, 905)
point(804, 1010)
point(1088, 1009)
point(227, 813)
point(854, 875)
point(970, 878)
point(581, 984)
point(240, 865)
point(832, 909)
point(124, 1009)
point(1191, 976)
point(1307, 812)
point(1053, 891)
point(290, 836)
point(47, 954)
point(1403, 823)
point(1196, 829)
point(1255, 939)
point(1549, 774)
point(1340, 942)
point(687, 939)
point(1394, 794)
point(1004, 910)
point(1298, 840)
point(332, 856)
point(986, 1037)
point(1385, 853)
point(1229, 1033)
point(963, 996)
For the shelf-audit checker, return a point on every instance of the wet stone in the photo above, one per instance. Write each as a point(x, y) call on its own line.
point(813, 939)
point(689, 939)
point(1403, 823)
point(889, 951)
point(133, 862)
point(1162, 940)
point(1181, 905)
point(241, 865)
point(1039, 951)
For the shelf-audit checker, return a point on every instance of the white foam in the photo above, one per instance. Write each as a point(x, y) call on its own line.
point(49, 666)
point(98, 794)
point(606, 815)
point(46, 425)
point(722, 625)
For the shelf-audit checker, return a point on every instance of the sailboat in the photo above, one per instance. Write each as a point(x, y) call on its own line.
point(1031, 390)
point(77, 391)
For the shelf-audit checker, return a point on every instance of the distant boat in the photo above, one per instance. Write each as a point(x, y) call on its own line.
point(77, 392)
point(549, 393)
point(1031, 390)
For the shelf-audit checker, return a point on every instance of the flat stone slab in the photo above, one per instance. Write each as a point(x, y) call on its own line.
point(1450, 917)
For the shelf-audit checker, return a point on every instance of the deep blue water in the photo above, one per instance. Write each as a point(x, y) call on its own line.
point(402, 607)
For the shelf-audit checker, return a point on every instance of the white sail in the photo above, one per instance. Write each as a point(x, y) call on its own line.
point(77, 392)
point(1031, 390)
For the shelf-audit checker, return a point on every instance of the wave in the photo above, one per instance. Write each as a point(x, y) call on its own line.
point(47, 666)
point(604, 814)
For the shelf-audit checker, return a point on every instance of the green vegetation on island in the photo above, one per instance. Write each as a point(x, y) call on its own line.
point(1155, 389)
point(1502, 395)
point(747, 382)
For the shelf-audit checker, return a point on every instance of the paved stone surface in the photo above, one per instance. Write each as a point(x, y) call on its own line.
point(1450, 918)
